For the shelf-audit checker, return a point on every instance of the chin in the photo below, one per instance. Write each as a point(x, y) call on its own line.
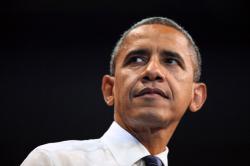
point(149, 118)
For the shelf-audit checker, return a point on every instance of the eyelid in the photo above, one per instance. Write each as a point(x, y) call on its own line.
point(175, 56)
point(172, 58)
point(140, 53)
point(178, 62)
point(132, 59)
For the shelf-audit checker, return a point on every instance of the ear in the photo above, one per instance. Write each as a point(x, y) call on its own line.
point(107, 89)
point(199, 96)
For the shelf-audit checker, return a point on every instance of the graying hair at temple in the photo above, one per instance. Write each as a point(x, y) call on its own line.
point(162, 21)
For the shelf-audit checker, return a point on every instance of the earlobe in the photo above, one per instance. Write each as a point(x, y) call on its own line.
point(107, 89)
point(199, 97)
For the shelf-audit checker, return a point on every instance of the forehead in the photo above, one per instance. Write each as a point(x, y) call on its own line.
point(156, 36)
point(157, 32)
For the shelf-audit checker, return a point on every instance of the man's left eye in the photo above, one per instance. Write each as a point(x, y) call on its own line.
point(171, 61)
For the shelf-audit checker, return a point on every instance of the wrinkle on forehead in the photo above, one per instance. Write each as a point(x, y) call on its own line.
point(157, 30)
point(153, 35)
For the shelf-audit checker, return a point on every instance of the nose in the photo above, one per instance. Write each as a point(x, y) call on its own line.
point(153, 71)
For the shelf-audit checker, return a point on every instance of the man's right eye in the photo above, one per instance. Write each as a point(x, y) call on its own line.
point(137, 57)
point(136, 60)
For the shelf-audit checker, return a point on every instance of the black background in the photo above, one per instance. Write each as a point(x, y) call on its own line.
point(54, 53)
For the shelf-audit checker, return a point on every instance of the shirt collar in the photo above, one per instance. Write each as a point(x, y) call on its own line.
point(126, 148)
point(163, 157)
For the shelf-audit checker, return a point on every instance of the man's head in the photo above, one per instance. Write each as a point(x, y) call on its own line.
point(155, 69)
point(162, 21)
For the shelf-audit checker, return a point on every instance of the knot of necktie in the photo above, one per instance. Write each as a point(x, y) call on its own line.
point(152, 161)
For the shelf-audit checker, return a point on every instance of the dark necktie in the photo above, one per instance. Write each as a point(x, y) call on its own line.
point(152, 161)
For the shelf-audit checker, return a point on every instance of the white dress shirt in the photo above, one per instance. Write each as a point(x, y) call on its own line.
point(116, 147)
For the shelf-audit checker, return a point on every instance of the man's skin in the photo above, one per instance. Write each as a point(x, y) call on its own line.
point(153, 84)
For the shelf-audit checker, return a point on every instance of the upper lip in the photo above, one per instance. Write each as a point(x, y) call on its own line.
point(152, 91)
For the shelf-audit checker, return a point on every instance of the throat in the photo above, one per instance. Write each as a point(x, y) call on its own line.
point(154, 140)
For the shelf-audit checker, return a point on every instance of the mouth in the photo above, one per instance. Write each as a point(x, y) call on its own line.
point(152, 92)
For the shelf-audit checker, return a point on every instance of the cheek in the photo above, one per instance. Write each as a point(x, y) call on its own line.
point(181, 76)
point(184, 95)
point(124, 83)
point(182, 88)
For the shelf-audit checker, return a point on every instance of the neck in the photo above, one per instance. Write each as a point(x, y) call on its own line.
point(154, 139)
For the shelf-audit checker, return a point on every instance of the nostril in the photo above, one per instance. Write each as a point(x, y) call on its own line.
point(158, 78)
point(146, 78)
point(153, 78)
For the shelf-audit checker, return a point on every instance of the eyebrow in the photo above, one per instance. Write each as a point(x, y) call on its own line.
point(140, 51)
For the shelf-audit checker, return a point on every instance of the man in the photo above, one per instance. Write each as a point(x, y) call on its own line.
point(154, 78)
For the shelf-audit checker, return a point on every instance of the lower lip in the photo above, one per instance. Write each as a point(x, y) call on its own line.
point(151, 95)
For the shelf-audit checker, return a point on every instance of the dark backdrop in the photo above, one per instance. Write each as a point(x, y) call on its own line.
point(54, 53)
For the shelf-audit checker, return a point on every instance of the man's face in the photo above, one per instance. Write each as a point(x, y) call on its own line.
point(153, 82)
